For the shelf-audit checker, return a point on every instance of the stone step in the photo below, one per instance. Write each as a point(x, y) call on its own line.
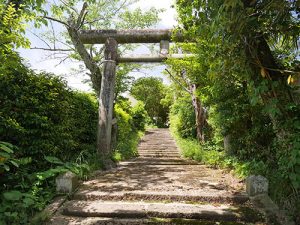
point(66, 220)
point(159, 156)
point(159, 210)
point(158, 140)
point(146, 158)
point(157, 147)
point(158, 161)
point(176, 154)
point(213, 196)
point(157, 152)
point(158, 143)
point(155, 139)
point(158, 137)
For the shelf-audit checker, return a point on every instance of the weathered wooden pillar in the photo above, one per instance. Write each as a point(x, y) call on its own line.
point(106, 104)
point(164, 47)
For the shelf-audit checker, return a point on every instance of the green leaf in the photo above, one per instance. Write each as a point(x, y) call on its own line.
point(53, 160)
point(12, 195)
point(6, 167)
point(25, 160)
point(4, 155)
point(28, 201)
point(7, 144)
point(14, 163)
point(5, 148)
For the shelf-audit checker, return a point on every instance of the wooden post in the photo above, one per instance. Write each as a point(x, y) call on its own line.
point(164, 47)
point(106, 99)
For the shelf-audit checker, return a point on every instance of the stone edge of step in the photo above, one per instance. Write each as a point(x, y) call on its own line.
point(121, 221)
point(239, 198)
point(158, 210)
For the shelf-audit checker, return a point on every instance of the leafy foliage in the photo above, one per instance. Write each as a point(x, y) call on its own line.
point(244, 69)
point(54, 129)
point(131, 122)
point(182, 117)
point(42, 107)
point(151, 91)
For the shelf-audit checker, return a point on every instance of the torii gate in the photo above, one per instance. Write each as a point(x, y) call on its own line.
point(111, 39)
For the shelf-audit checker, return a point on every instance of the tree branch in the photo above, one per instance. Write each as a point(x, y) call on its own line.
point(178, 82)
point(52, 49)
point(39, 38)
point(56, 20)
point(81, 16)
point(90, 64)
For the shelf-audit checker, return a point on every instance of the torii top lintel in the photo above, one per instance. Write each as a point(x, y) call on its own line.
point(128, 36)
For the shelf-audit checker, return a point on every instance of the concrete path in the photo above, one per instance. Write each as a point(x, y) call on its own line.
point(159, 187)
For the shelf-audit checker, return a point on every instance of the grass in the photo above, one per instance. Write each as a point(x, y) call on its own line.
point(192, 149)
point(127, 149)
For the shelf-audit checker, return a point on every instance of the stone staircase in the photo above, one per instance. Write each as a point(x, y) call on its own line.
point(158, 144)
point(159, 187)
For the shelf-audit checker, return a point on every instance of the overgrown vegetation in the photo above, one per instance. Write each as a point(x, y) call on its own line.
point(45, 129)
point(131, 124)
point(245, 72)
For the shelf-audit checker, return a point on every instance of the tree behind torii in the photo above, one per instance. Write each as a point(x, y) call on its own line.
point(104, 15)
point(94, 14)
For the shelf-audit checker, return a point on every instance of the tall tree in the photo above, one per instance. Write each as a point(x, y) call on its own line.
point(182, 76)
point(99, 14)
point(248, 52)
point(151, 91)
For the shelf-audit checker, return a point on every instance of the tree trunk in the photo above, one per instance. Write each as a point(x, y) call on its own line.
point(106, 100)
point(114, 133)
point(263, 63)
point(86, 57)
point(199, 113)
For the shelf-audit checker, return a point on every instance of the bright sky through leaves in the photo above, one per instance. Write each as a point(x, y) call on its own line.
point(36, 58)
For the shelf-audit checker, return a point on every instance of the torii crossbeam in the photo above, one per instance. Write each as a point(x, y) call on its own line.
point(127, 36)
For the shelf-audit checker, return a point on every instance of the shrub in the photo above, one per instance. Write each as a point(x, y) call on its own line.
point(131, 121)
point(47, 122)
point(182, 117)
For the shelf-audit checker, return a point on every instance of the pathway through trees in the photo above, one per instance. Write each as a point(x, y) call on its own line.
point(159, 187)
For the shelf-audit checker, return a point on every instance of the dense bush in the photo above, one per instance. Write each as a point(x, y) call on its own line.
point(182, 117)
point(45, 128)
point(131, 121)
point(41, 116)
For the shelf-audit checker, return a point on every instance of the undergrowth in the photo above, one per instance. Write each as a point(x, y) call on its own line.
point(190, 148)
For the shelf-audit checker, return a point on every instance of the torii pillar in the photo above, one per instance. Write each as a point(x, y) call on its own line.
point(106, 102)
